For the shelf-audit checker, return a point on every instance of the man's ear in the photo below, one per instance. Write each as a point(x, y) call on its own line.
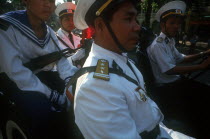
point(99, 24)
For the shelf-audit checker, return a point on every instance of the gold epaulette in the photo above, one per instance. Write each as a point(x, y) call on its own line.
point(102, 70)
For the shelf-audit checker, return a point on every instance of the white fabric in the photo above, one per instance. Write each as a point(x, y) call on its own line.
point(113, 109)
point(163, 57)
point(79, 15)
point(16, 49)
point(170, 5)
point(64, 36)
point(78, 55)
point(63, 6)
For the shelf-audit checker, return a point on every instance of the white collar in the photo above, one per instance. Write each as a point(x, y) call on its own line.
point(162, 35)
point(65, 32)
point(100, 52)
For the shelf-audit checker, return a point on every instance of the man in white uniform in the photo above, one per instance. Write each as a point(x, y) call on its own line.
point(111, 102)
point(66, 37)
point(176, 92)
point(38, 93)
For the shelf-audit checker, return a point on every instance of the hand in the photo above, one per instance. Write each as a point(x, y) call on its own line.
point(59, 101)
point(78, 55)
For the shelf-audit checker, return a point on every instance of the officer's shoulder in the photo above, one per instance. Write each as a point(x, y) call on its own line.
point(102, 70)
point(159, 40)
point(4, 25)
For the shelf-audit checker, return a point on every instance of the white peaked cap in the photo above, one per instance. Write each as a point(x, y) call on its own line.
point(176, 5)
point(79, 15)
point(65, 6)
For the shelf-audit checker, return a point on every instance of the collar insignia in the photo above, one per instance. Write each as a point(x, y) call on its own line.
point(159, 39)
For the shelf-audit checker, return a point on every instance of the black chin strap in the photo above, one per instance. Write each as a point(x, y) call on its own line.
point(114, 37)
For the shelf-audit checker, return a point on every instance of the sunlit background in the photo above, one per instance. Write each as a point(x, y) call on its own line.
point(61, 1)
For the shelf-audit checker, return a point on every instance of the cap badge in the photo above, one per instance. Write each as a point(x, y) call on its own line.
point(178, 11)
point(69, 11)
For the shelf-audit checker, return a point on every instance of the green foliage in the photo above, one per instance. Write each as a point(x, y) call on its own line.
point(10, 5)
point(156, 4)
point(154, 7)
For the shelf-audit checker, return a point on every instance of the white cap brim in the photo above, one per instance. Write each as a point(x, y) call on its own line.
point(63, 6)
point(80, 12)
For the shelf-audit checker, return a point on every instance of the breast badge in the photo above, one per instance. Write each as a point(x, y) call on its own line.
point(142, 95)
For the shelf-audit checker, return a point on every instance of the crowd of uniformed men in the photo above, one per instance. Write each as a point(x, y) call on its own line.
point(107, 91)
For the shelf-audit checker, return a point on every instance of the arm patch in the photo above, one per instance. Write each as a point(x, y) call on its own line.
point(4, 25)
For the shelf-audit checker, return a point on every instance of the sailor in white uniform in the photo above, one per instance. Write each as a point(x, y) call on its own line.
point(163, 55)
point(111, 102)
point(37, 92)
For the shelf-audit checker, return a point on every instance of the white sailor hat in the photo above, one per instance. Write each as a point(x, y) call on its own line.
point(88, 10)
point(171, 8)
point(65, 8)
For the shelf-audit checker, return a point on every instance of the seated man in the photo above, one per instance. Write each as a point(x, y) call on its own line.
point(111, 101)
point(164, 58)
point(65, 34)
point(38, 93)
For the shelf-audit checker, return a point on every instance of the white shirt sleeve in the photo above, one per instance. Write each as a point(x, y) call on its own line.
point(12, 65)
point(179, 56)
point(162, 59)
point(101, 111)
point(65, 68)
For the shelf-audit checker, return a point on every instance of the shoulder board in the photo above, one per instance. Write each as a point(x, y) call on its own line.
point(159, 39)
point(4, 25)
point(102, 70)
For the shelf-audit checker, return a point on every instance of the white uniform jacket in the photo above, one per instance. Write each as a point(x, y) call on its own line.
point(19, 44)
point(113, 109)
point(164, 56)
point(64, 36)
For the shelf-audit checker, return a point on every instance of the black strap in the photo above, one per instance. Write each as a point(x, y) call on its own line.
point(52, 80)
point(120, 46)
point(129, 65)
point(84, 70)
